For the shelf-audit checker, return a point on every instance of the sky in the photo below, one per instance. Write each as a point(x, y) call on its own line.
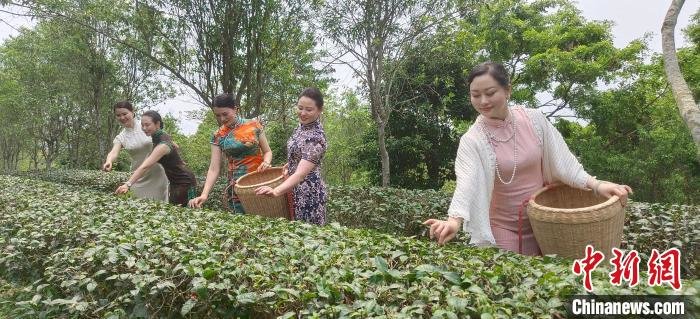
point(632, 19)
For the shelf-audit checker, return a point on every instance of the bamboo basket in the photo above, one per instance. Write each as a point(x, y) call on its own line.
point(565, 220)
point(262, 205)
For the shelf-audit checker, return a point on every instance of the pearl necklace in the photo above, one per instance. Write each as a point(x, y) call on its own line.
point(491, 136)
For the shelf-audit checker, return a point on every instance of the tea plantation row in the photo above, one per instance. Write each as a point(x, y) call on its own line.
point(401, 211)
point(83, 253)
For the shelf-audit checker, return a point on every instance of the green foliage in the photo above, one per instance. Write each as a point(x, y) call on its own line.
point(389, 210)
point(63, 93)
point(658, 226)
point(346, 121)
point(86, 254)
point(9, 291)
point(123, 162)
point(196, 149)
point(278, 133)
point(637, 137)
point(548, 48)
point(400, 212)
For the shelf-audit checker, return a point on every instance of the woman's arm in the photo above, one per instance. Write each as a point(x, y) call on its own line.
point(608, 189)
point(267, 152)
point(462, 199)
point(157, 153)
point(111, 157)
point(212, 175)
point(304, 168)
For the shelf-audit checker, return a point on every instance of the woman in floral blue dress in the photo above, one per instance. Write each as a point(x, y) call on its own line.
point(305, 150)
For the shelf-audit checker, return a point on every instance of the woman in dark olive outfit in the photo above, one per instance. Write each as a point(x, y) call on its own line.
point(182, 181)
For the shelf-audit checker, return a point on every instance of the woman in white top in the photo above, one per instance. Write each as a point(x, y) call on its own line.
point(154, 184)
point(505, 157)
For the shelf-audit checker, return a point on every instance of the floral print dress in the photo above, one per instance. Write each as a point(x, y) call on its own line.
point(308, 142)
point(240, 144)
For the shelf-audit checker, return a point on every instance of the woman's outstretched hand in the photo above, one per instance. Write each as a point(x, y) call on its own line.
point(443, 230)
point(123, 189)
point(197, 202)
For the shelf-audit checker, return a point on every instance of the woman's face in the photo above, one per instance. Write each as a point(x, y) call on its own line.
point(148, 126)
point(124, 116)
point(225, 115)
point(307, 110)
point(488, 97)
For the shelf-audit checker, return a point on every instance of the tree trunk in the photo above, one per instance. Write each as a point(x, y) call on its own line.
point(381, 139)
point(689, 110)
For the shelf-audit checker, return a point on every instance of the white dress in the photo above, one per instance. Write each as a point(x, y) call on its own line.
point(154, 184)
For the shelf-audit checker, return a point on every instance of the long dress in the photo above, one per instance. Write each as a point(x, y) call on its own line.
point(153, 184)
point(240, 144)
point(308, 142)
point(509, 222)
point(183, 184)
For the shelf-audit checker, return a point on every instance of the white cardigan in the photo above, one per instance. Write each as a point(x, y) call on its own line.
point(475, 170)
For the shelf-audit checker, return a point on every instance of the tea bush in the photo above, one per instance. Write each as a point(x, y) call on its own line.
point(401, 212)
point(83, 253)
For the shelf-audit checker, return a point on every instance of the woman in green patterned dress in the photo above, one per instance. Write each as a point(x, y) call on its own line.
point(242, 142)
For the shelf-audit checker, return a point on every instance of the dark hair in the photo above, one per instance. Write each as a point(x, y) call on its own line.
point(123, 105)
point(225, 100)
point(496, 70)
point(154, 116)
point(314, 94)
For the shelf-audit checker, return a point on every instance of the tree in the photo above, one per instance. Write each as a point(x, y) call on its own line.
point(346, 121)
point(549, 48)
point(635, 135)
point(688, 108)
point(11, 115)
point(375, 33)
point(209, 47)
point(63, 94)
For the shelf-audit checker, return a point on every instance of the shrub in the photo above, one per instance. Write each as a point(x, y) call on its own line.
point(90, 254)
point(401, 212)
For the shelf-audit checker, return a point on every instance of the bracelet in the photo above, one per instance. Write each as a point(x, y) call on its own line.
point(595, 188)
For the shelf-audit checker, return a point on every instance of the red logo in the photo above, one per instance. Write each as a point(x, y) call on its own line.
point(587, 264)
point(665, 268)
point(626, 267)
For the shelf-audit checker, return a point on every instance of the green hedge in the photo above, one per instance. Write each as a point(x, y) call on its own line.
point(82, 253)
point(391, 210)
point(400, 212)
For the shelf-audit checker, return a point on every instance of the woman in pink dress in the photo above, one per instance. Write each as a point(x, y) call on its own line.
point(505, 157)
